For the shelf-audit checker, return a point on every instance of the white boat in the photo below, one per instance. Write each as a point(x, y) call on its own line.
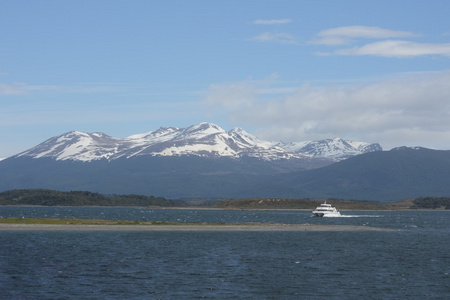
point(326, 210)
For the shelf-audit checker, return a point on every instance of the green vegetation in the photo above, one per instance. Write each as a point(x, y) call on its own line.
point(432, 203)
point(275, 203)
point(44, 221)
point(77, 198)
point(279, 203)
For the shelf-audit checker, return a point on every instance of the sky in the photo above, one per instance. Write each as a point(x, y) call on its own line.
point(371, 71)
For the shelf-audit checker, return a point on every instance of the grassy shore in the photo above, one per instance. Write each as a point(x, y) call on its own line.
point(37, 224)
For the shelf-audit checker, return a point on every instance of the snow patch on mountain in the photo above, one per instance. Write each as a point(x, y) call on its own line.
point(203, 139)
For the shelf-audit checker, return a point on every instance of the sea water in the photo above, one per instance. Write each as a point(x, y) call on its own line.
point(410, 262)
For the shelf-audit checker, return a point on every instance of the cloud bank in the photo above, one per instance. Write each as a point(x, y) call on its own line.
point(389, 46)
point(409, 110)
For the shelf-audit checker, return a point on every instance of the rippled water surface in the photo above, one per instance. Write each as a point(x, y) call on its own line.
point(412, 261)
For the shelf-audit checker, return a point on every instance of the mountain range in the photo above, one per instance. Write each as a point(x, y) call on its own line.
point(205, 161)
point(203, 140)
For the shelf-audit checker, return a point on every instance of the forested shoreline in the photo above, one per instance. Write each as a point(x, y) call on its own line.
point(44, 197)
point(78, 198)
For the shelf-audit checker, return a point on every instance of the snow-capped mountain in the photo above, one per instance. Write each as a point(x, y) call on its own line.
point(335, 149)
point(203, 139)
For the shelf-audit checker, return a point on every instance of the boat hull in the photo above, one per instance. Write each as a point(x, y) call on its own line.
point(321, 214)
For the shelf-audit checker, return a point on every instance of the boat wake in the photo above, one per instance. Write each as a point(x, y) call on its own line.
point(360, 216)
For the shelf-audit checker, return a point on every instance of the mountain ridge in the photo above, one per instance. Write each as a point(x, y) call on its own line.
point(203, 139)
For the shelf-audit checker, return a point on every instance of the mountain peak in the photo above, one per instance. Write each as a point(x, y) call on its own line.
point(74, 145)
point(202, 129)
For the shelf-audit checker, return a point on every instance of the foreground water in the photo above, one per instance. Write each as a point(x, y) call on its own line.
point(412, 261)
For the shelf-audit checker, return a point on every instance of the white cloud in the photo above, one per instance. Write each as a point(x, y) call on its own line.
point(281, 38)
point(412, 110)
point(345, 35)
point(274, 37)
point(14, 89)
point(393, 48)
point(272, 22)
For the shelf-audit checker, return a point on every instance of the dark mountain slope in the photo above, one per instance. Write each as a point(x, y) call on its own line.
point(390, 175)
point(173, 177)
point(383, 176)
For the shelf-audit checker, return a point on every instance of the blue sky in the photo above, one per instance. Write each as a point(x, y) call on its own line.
point(374, 71)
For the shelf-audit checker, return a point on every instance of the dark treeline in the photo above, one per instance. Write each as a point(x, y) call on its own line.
point(274, 203)
point(432, 202)
point(78, 198)
point(279, 203)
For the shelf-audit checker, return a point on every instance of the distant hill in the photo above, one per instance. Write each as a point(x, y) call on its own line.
point(77, 198)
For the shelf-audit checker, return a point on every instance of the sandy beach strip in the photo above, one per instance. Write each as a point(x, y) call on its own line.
point(199, 227)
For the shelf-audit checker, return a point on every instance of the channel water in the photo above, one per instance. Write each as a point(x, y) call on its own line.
point(410, 262)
